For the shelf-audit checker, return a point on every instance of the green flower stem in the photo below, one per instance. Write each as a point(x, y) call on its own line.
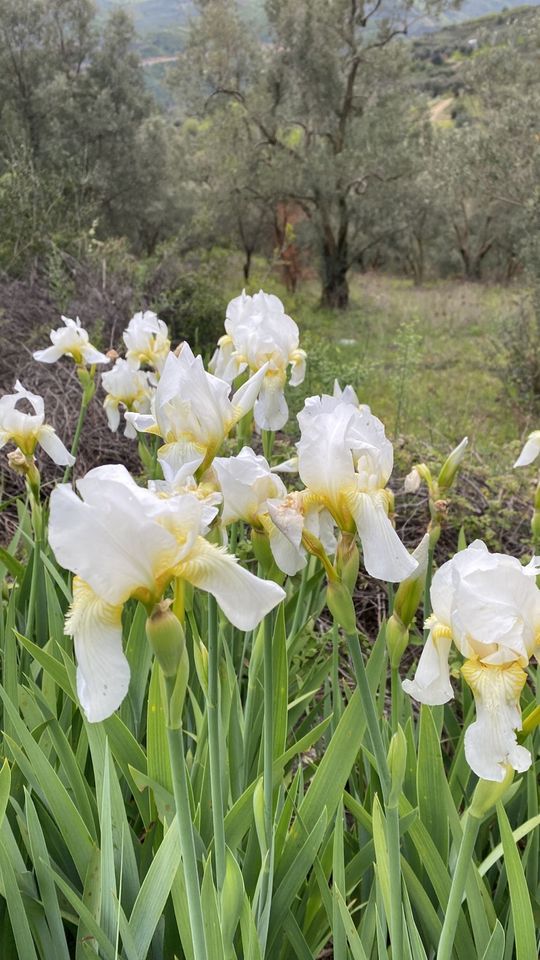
point(233, 539)
point(37, 526)
point(268, 732)
point(429, 576)
point(268, 756)
point(300, 600)
point(214, 741)
point(244, 430)
point(392, 812)
point(89, 389)
point(395, 691)
point(185, 829)
point(459, 880)
point(268, 444)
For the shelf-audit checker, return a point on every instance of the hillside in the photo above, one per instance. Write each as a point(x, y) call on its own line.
point(472, 10)
point(158, 21)
point(440, 55)
point(439, 46)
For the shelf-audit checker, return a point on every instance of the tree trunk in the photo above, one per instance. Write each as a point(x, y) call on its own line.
point(335, 291)
point(247, 265)
point(335, 287)
point(419, 262)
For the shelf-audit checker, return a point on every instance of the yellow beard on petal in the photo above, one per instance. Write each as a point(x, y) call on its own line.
point(491, 683)
point(26, 442)
point(439, 630)
point(87, 605)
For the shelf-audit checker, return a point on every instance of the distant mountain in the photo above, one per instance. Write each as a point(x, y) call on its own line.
point(440, 54)
point(470, 10)
point(161, 27)
point(152, 15)
point(155, 16)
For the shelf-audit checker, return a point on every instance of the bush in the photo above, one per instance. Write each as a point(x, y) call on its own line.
point(188, 294)
point(520, 339)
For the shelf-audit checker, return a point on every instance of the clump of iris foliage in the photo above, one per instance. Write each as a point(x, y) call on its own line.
point(203, 757)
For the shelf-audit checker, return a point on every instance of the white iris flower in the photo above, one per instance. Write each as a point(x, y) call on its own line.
point(488, 604)
point(127, 388)
point(345, 461)
point(192, 412)
point(147, 340)
point(27, 430)
point(71, 340)
point(259, 333)
point(124, 541)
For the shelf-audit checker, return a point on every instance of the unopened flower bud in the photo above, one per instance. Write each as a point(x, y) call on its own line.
point(200, 657)
point(19, 462)
point(451, 465)
point(397, 638)
point(25, 466)
point(341, 606)
point(530, 722)
point(261, 549)
point(397, 764)
point(166, 637)
point(535, 526)
point(314, 546)
point(87, 381)
point(410, 591)
point(412, 481)
point(419, 472)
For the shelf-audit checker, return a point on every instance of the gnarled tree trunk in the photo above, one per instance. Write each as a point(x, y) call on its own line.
point(335, 264)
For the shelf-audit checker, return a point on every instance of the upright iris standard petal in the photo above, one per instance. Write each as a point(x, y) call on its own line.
point(109, 541)
point(271, 411)
point(490, 742)
point(102, 668)
point(244, 598)
point(191, 410)
point(147, 340)
point(285, 533)
point(246, 483)
point(71, 340)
